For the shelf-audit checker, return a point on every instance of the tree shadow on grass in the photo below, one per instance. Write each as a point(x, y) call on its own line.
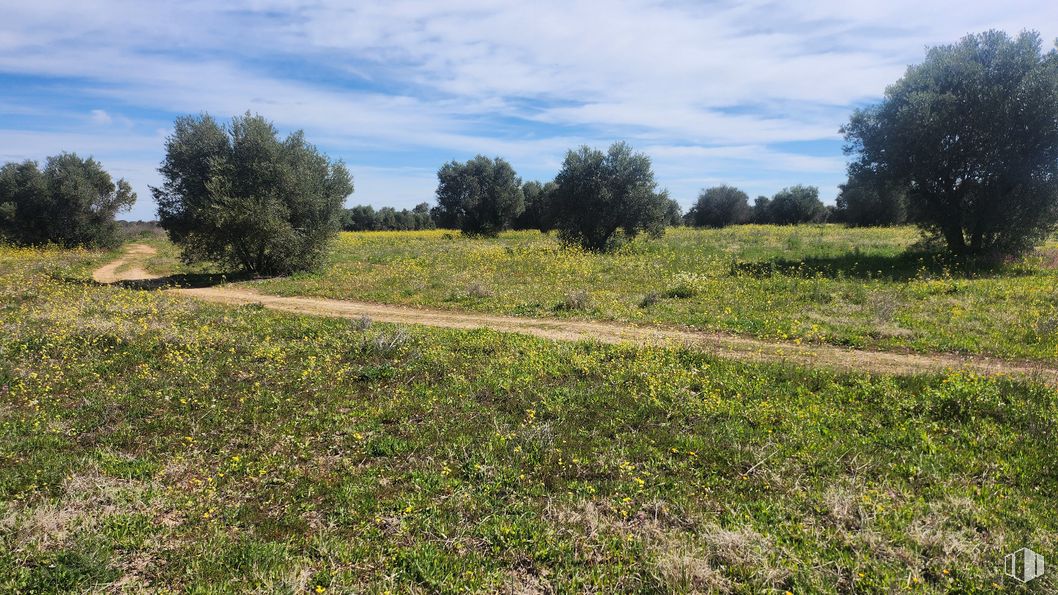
point(183, 280)
point(898, 267)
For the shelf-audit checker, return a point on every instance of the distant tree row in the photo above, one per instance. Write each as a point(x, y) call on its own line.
point(366, 218)
point(720, 206)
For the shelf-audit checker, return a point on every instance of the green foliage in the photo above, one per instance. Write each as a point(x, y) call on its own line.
point(71, 202)
point(366, 218)
point(760, 210)
point(866, 201)
point(240, 196)
point(673, 213)
point(796, 204)
point(720, 206)
point(597, 194)
point(538, 206)
point(480, 197)
point(971, 134)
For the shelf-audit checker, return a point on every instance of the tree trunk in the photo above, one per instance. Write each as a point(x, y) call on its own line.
point(956, 241)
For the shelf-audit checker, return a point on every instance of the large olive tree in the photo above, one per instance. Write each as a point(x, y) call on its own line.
point(481, 197)
point(971, 135)
point(596, 194)
point(71, 202)
point(240, 196)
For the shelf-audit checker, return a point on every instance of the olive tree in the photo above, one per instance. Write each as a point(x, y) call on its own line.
point(71, 202)
point(719, 206)
point(971, 135)
point(596, 194)
point(240, 196)
point(480, 197)
point(796, 204)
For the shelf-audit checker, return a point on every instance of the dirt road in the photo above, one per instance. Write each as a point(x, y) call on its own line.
point(129, 268)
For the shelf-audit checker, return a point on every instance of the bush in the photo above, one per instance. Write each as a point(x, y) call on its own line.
point(71, 202)
point(576, 300)
point(720, 206)
point(240, 196)
point(597, 193)
point(971, 134)
point(480, 197)
point(796, 204)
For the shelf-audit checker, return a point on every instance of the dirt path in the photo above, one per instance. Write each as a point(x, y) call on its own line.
point(135, 254)
point(129, 268)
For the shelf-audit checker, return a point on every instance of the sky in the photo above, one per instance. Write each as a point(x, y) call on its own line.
point(745, 93)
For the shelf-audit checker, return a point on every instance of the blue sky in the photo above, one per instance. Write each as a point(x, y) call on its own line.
point(744, 93)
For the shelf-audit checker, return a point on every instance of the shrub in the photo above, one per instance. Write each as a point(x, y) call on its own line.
point(720, 206)
point(650, 299)
point(71, 202)
point(576, 300)
point(597, 194)
point(971, 134)
point(240, 196)
point(480, 197)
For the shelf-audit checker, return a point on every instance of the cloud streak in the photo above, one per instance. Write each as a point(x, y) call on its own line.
point(711, 90)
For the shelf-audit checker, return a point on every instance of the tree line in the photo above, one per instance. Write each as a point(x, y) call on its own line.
point(964, 145)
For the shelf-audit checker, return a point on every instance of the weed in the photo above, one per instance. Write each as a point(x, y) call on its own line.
point(576, 300)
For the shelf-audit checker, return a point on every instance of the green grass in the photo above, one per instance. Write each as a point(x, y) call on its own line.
point(147, 441)
point(829, 284)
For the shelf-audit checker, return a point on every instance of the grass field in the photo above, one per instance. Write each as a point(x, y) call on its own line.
point(149, 441)
point(828, 284)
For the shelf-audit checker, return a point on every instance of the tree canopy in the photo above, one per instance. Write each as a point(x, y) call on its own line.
point(719, 206)
point(240, 196)
point(796, 204)
point(480, 197)
point(71, 202)
point(596, 194)
point(971, 135)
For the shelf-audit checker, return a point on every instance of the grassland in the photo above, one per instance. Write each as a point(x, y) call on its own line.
point(815, 284)
point(149, 441)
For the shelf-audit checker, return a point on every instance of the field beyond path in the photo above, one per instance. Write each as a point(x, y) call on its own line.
point(130, 268)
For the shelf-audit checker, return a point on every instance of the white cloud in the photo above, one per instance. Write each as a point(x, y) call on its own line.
point(101, 117)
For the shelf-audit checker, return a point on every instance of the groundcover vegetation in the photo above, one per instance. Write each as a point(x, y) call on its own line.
point(148, 441)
